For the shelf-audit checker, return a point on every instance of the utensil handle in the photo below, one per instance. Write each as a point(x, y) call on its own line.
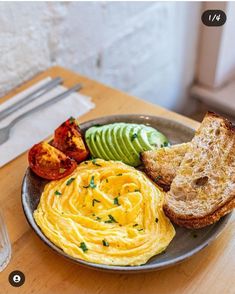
point(47, 103)
point(31, 97)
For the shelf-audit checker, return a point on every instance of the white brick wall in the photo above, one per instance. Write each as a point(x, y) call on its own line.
point(145, 48)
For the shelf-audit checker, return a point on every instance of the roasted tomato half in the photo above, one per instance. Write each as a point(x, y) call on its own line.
point(49, 163)
point(68, 139)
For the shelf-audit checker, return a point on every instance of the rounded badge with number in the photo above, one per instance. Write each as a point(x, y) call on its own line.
point(214, 18)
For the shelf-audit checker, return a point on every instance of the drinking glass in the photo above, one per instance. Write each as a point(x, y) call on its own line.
point(5, 245)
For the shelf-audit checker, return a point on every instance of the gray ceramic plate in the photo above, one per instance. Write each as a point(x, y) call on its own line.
point(186, 242)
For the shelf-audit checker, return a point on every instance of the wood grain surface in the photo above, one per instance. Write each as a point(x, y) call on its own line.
point(210, 271)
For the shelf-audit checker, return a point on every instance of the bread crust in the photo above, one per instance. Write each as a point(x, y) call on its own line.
point(189, 220)
point(227, 123)
point(197, 223)
point(150, 171)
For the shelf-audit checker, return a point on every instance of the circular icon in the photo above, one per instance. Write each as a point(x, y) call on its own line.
point(214, 18)
point(16, 278)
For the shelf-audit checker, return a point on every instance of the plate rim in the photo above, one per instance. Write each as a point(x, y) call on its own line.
point(115, 268)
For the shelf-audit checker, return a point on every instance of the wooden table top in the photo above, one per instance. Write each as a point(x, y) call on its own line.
point(210, 271)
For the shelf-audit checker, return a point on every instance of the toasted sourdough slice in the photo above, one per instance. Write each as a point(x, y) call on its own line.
point(162, 164)
point(203, 189)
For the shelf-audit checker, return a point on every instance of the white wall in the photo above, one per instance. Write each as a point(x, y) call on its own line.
point(145, 48)
point(226, 61)
point(216, 54)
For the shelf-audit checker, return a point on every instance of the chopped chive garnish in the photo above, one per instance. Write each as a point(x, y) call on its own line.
point(98, 218)
point(106, 180)
point(158, 178)
point(83, 246)
point(71, 120)
point(85, 162)
point(140, 230)
point(165, 144)
point(70, 181)
point(95, 163)
point(58, 193)
point(135, 225)
point(115, 201)
point(105, 243)
point(92, 184)
point(95, 201)
point(137, 190)
point(111, 219)
point(134, 136)
point(156, 220)
point(118, 175)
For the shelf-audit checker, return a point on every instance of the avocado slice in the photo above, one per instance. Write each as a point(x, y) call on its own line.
point(116, 143)
point(110, 143)
point(93, 142)
point(143, 139)
point(100, 145)
point(127, 138)
point(90, 131)
point(134, 138)
point(95, 147)
point(90, 142)
point(157, 139)
point(101, 133)
point(128, 156)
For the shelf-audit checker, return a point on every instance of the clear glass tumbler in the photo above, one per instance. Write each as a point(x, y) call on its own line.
point(5, 245)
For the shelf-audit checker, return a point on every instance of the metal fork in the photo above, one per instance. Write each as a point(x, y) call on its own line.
point(5, 131)
point(31, 97)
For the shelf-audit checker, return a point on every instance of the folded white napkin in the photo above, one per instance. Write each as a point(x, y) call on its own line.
point(39, 125)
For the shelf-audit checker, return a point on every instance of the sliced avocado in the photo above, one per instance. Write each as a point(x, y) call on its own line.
point(127, 138)
point(157, 139)
point(130, 160)
point(101, 132)
point(95, 152)
point(143, 139)
point(90, 131)
point(110, 143)
point(123, 156)
point(90, 142)
point(134, 138)
point(123, 141)
point(100, 145)
point(128, 146)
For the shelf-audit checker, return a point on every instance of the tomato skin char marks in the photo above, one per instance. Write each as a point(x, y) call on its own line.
point(68, 139)
point(50, 163)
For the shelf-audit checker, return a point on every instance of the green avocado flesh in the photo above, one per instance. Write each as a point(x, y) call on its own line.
point(123, 141)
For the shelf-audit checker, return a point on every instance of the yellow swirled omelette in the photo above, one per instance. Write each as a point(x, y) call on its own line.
point(105, 212)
